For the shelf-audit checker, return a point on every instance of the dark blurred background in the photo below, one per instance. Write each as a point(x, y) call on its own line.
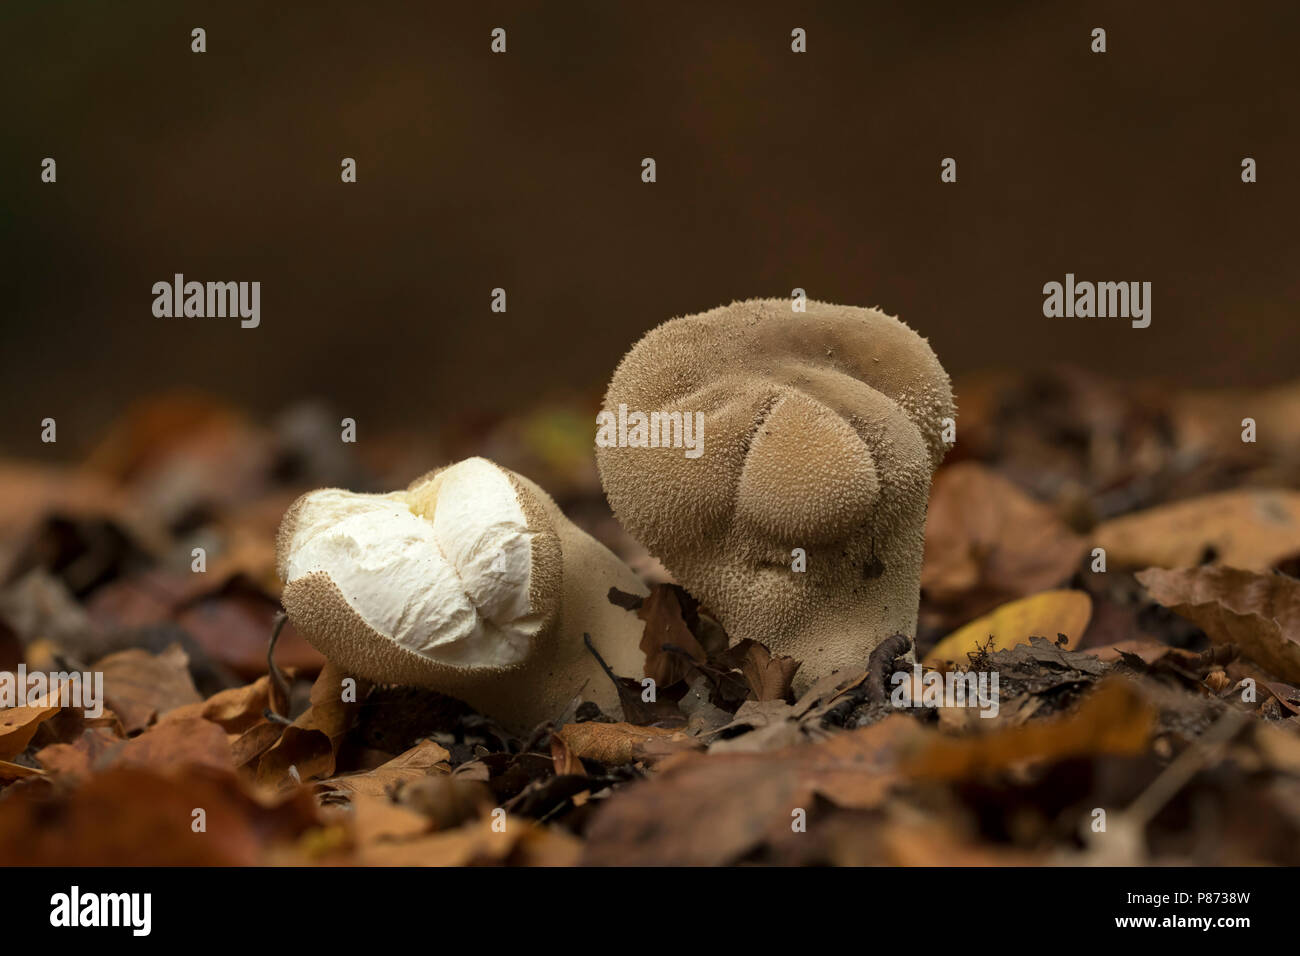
point(522, 170)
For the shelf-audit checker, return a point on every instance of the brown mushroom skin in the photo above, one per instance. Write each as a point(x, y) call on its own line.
point(822, 430)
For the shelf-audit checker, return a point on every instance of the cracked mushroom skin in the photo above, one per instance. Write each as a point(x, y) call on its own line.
point(822, 431)
point(471, 582)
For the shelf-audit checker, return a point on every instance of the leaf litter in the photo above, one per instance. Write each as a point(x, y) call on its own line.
point(1163, 690)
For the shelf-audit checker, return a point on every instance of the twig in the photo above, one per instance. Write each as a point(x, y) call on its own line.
point(880, 662)
point(586, 639)
point(282, 685)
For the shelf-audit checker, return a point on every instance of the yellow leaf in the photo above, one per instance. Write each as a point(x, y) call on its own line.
point(1040, 615)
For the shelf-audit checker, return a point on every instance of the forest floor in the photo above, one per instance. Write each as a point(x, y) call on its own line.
point(1123, 559)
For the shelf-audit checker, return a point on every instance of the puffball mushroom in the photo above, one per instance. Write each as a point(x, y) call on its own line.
point(471, 582)
point(821, 432)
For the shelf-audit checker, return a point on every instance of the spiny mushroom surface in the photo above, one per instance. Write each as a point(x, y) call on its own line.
point(471, 582)
point(821, 431)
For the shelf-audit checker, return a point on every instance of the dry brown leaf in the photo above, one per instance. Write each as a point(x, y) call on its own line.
point(9, 772)
point(82, 755)
point(667, 641)
point(706, 810)
point(1113, 719)
point(425, 758)
point(1201, 423)
point(987, 542)
point(1148, 650)
point(613, 744)
point(1248, 529)
point(138, 685)
point(300, 755)
point(1041, 615)
point(232, 623)
point(1258, 612)
point(376, 818)
point(522, 843)
point(18, 725)
point(566, 761)
point(253, 742)
point(129, 816)
point(768, 677)
point(761, 725)
point(310, 745)
point(446, 801)
point(31, 494)
point(176, 746)
point(236, 709)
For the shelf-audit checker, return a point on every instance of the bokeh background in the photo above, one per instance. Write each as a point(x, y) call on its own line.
point(522, 171)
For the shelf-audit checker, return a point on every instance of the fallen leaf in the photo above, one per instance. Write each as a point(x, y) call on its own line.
point(236, 709)
point(446, 801)
point(18, 725)
point(613, 744)
point(1113, 719)
point(667, 641)
point(175, 746)
point(376, 818)
point(521, 843)
point(301, 754)
point(987, 542)
point(422, 760)
point(79, 757)
point(253, 742)
point(759, 726)
point(1248, 529)
point(566, 761)
point(130, 816)
point(1049, 613)
point(310, 745)
point(138, 685)
point(233, 624)
point(1258, 612)
point(768, 677)
point(709, 810)
point(9, 772)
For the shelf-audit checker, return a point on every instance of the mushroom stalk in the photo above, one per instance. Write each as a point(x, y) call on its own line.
point(471, 582)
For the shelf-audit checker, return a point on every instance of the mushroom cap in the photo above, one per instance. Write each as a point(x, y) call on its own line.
point(821, 431)
point(458, 574)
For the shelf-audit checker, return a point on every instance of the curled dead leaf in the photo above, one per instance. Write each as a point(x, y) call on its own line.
point(1258, 612)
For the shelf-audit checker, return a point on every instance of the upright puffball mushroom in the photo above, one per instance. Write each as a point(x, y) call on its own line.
point(821, 432)
point(471, 582)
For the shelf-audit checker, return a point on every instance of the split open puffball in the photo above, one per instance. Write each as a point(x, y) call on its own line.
point(471, 581)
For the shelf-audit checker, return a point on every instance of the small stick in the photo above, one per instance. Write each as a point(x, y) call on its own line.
point(586, 639)
point(282, 685)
